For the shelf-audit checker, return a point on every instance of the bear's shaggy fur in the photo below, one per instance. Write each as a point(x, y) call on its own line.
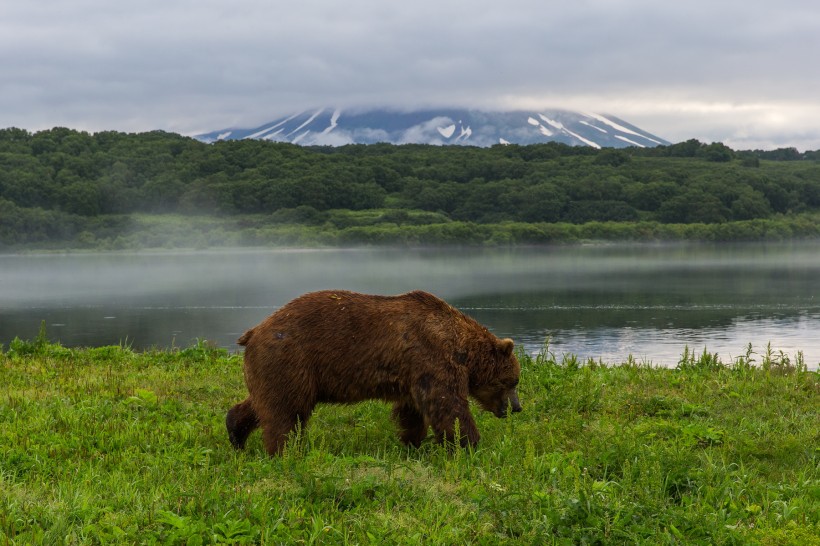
point(413, 350)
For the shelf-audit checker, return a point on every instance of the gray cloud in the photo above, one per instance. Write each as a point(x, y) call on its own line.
point(736, 71)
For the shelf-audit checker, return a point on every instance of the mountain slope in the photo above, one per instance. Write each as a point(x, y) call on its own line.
point(326, 126)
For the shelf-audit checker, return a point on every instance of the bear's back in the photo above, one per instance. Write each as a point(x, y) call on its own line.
point(341, 320)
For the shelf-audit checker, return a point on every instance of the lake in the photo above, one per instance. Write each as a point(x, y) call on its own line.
point(596, 301)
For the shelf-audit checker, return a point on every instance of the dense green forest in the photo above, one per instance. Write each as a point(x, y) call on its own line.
point(66, 188)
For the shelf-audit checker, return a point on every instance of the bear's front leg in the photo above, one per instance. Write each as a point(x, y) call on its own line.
point(443, 404)
point(240, 422)
point(456, 417)
point(411, 422)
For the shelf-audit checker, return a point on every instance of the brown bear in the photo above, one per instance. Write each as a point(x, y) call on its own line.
point(413, 350)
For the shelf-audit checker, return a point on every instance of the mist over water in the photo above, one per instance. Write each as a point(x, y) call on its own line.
point(604, 302)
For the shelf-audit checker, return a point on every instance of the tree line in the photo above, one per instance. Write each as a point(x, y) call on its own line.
point(61, 184)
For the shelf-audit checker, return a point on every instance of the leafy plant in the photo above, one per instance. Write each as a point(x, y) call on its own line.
point(706, 361)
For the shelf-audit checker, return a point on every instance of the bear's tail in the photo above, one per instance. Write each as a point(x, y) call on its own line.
point(245, 338)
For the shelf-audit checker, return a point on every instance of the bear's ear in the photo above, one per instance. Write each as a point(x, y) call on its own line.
point(505, 346)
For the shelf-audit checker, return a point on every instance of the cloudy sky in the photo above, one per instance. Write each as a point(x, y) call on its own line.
point(742, 72)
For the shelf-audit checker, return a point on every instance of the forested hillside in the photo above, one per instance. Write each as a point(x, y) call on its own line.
point(67, 188)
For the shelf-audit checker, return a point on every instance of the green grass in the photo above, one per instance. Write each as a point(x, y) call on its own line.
point(108, 446)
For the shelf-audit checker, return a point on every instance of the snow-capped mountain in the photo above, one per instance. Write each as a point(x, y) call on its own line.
point(334, 127)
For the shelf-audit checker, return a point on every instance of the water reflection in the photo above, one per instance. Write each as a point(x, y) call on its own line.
point(595, 301)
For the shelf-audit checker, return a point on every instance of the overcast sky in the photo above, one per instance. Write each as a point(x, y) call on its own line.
point(743, 72)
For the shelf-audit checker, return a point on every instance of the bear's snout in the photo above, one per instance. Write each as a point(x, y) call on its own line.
point(515, 405)
point(509, 403)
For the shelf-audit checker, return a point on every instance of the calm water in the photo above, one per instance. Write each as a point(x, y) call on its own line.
point(594, 301)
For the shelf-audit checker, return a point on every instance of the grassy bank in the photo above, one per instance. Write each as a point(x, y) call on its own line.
point(106, 445)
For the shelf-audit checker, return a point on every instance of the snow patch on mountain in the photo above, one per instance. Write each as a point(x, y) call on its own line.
point(448, 131)
point(588, 124)
point(630, 142)
point(262, 133)
point(306, 123)
point(584, 140)
point(334, 121)
point(426, 132)
point(555, 124)
point(619, 127)
point(541, 129)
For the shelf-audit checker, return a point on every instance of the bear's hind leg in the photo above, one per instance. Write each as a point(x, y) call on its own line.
point(240, 422)
point(411, 422)
point(279, 419)
point(275, 437)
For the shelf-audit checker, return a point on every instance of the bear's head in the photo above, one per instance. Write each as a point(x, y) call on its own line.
point(493, 383)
